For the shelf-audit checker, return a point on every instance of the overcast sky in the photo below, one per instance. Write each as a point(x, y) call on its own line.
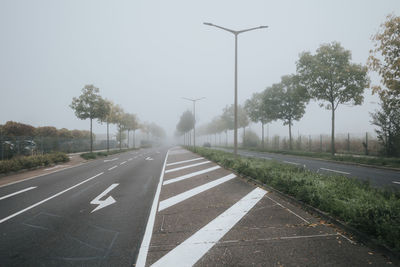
point(147, 55)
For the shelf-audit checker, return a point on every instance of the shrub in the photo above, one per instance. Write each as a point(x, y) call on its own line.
point(373, 211)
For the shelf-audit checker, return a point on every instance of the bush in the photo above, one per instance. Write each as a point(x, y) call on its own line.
point(251, 139)
point(373, 211)
point(94, 155)
point(28, 162)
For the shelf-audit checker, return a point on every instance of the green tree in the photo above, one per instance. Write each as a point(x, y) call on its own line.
point(257, 112)
point(385, 59)
point(16, 129)
point(330, 77)
point(293, 99)
point(185, 124)
point(117, 118)
point(89, 105)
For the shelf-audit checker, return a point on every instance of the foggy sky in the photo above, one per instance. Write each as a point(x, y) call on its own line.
point(147, 55)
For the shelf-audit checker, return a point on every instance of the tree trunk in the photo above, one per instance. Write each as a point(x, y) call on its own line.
point(91, 136)
point(226, 140)
point(134, 141)
point(120, 138)
point(262, 135)
point(290, 135)
point(108, 138)
point(333, 131)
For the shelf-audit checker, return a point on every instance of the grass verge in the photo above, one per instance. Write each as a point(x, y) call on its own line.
point(28, 162)
point(373, 161)
point(95, 155)
point(373, 211)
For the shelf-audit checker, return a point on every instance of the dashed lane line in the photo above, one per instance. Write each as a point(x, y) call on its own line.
point(395, 182)
point(19, 192)
point(289, 162)
point(49, 198)
point(185, 167)
point(192, 192)
point(113, 167)
point(122, 163)
point(196, 246)
point(330, 170)
point(184, 161)
point(190, 175)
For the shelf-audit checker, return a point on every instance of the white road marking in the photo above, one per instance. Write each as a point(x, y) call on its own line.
point(184, 161)
point(113, 167)
point(144, 248)
point(185, 167)
point(108, 160)
point(192, 192)
point(49, 198)
point(193, 248)
point(395, 182)
point(289, 162)
point(55, 167)
point(122, 163)
point(19, 192)
point(176, 152)
point(266, 158)
point(130, 159)
point(148, 158)
point(289, 210)
point(190, 175)
point(104, 203)
point(40, 175)
point(329, 170)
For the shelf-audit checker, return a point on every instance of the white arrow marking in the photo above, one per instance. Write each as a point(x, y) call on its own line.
point(104, 203)
point(148, 158)
point(107, 160)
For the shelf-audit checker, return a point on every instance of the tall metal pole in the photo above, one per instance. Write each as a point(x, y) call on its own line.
point(236, 98)
point(236, 33)
point(194, 117)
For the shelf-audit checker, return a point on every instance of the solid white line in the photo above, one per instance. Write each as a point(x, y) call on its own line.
point(190, 175)
point(40, 175)
point(130, 159)
point(113, 167)
point(289, 210)
point(19, 192)
point(122, 163)
point(193, 248)
point(47, 199)
point(108, 160)
point(188, 166)
point(334, 171)
point(289, 162)
point(144, 248)
point(192, 192)
point(396, 182)
point(184, 161)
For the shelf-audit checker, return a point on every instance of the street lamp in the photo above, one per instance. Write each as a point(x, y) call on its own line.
point(194, 116)
point(236, 33)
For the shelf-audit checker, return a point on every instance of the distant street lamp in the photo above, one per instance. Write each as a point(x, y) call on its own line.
point(236, 33)
point(194, 117)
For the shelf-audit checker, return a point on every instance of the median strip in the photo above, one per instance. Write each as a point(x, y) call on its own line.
point(192, 192)
point(188, 166)
point(190, 175)
point(196, 246)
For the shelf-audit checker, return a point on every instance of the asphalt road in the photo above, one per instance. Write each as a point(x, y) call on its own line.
point(93, 214)
point(377, 177)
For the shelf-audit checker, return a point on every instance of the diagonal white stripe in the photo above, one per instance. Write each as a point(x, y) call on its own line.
point(188, 166)
point(193, 248)
point(190, 175)
point(192, 192)
point(184, 161)
point(19, 192)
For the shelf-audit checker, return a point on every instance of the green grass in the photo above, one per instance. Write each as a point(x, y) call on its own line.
point(373, 211)
point(95, 155)
point(29, 162)
point(373, 161)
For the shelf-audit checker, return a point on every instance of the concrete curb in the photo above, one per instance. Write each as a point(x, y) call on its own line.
point(359, 236)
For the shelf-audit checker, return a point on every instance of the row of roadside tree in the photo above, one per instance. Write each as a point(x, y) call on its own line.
point(329, 77)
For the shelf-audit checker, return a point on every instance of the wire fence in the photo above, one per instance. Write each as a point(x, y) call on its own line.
point(348, 143)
